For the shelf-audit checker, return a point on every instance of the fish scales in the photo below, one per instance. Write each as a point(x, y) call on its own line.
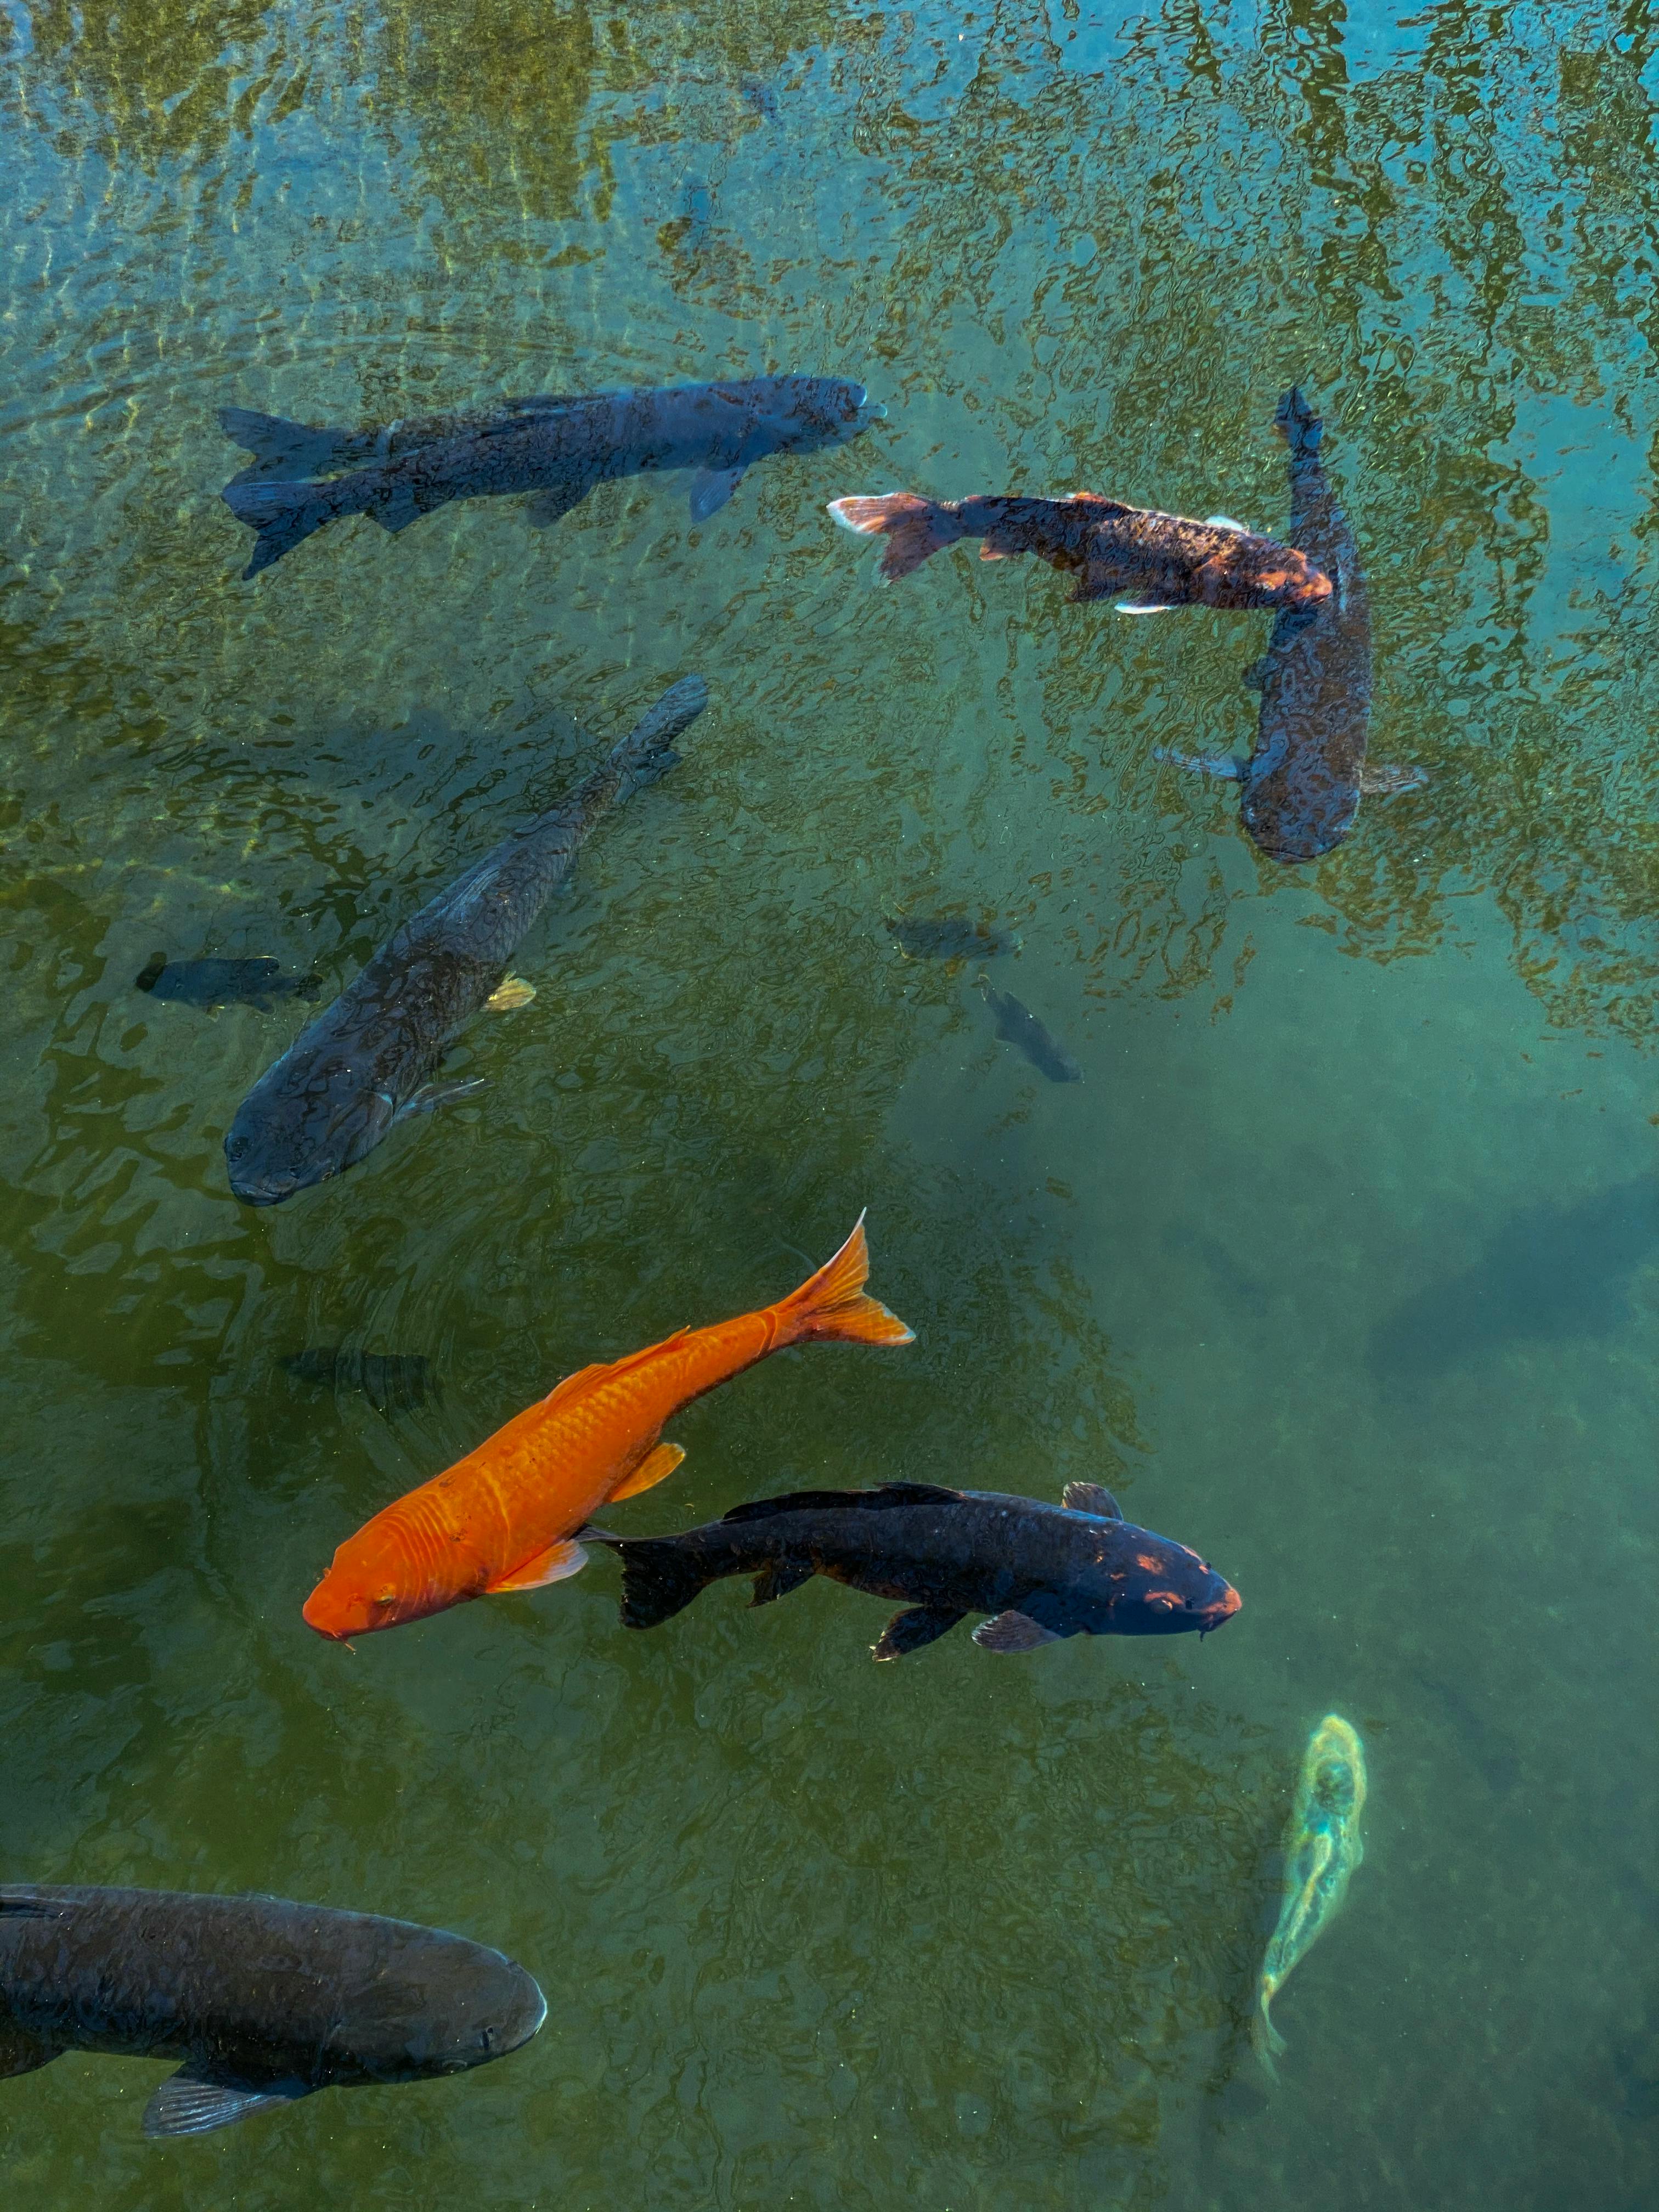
point(507, 1515)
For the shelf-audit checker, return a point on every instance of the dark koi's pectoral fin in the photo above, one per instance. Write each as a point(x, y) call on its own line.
point(1225, 765)
point(431, 1096)
point(710, 489)
point(777, 1578)
point(544, 508)
point(1228, 522)
point(656, 1467)
point(909, 1630)
point(555, 1565)
point(194, 2100)
point(1013, 1631)
point(1379, 781)
point(404, 504)
point(1091, 1498)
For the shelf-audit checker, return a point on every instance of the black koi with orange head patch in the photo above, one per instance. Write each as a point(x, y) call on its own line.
point(1041, 1571)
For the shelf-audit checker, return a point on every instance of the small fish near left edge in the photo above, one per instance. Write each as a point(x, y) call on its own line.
point(361, 1065)
point(508, 1517)
point(260, 2001)
point(1041, 1571)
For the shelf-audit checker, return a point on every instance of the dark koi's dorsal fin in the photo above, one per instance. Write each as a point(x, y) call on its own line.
point(850, 1501)
point(1091, 1498)
point(589, 1378)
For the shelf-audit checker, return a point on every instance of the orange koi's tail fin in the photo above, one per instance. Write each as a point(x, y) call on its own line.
point(913, 526)
point(831, 1306)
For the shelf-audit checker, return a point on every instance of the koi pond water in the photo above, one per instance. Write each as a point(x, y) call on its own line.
point(1306, 1203)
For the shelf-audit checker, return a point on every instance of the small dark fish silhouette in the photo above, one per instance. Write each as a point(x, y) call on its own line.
point(362, 1064)
point(260, 2000)
point(1042, 1571)
point(558, 446)
point(1301, 786)
point(1162, 561)
point(947, 937)
point(1017, 1025)
point(392, 1382)
point(259, 982)
point(1494, 1757)
point(759, 95)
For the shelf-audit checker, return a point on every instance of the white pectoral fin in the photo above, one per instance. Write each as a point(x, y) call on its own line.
point(710, 489)
point(431, 1096)
point(1145, 607)
point(1227, 522)
point(1379, 780)
point(1225, 765)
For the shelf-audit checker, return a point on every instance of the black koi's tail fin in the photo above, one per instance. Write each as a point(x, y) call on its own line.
point(282, 515)
point(648, 751)
point(913, 526)
point(1300, 427)
point(660, 1578)
point(281, 448)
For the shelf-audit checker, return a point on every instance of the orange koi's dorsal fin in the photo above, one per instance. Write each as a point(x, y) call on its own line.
point(589, 1378)
point(551, 1566)
point(656, 1467)
point(831, 1304)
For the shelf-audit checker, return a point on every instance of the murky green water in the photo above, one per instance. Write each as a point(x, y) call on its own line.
point(1341, 1264)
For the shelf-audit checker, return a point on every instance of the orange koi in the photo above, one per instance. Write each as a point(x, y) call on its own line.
point(507, 1516)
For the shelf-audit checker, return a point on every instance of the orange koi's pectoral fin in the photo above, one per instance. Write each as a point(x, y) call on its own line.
point(656, 1467)
point(552, 1566)
point(831, 1306)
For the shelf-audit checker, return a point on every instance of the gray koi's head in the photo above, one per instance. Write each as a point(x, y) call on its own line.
point(810, 412)
point(444, 2007)
point(288, 1135)
point(1147, 1585)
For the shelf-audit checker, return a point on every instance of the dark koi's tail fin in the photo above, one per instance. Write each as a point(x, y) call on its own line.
point(660, 1578)
point(282, 448)
point(913, 526)
point(1300, 427)
point(831, 1306)
point(282, 515)
point(648, 751)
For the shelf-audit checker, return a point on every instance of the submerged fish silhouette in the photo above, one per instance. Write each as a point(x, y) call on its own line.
point(947, 937)
point(1017, 1025)
point(507, 1516)
point(1162, 561)
point(361, 1064)
point(221, 982)
point(1301, 786)
point(262, 2000)
point(1042, 1571)
point(558, 446)
point(392, 1382)
point(1322, 1847)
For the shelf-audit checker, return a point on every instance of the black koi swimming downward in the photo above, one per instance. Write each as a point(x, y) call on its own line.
point(361, 1064)
point(1041, 1571)
point(558, 446)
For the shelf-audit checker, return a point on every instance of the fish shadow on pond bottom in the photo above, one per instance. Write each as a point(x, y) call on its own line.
point(1551, 1272)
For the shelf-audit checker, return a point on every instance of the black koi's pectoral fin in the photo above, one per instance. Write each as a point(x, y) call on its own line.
point(1091, 1498)
point(1225, 765)
point(431, 1096)
point(404, 504)
point(710, 489)
point(1380, 782)
point(777, 1578)
point(195, 2101)
point(1014, 1631)
point(909, 1630)
point(544, 508)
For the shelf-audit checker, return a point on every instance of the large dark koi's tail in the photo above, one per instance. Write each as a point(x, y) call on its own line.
point(282, 513)
point(648, 751)
point(831, 1306)
point(660, 1578)
point(1301, 428)
point(281, 448)
point(913, 526)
